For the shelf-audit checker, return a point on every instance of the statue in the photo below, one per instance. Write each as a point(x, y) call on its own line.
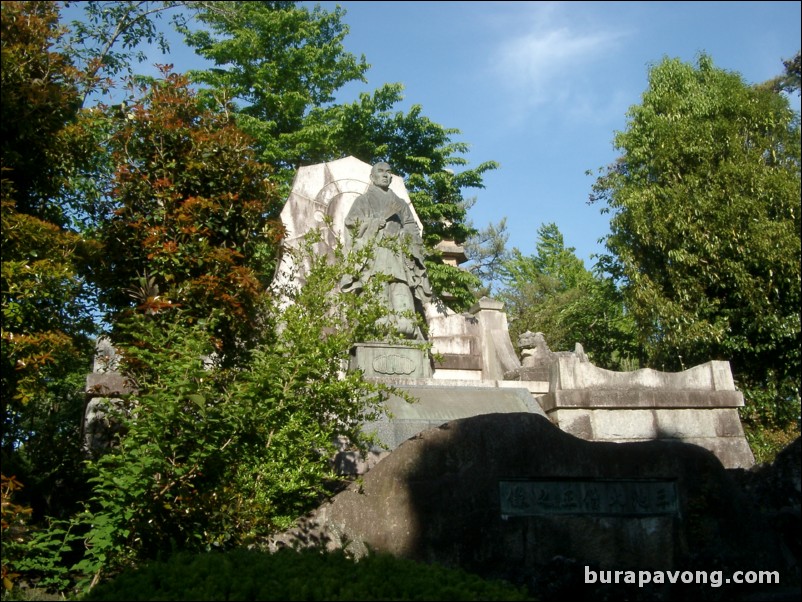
point(382, 217)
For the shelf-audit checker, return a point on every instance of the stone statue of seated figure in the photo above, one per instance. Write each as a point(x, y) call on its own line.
point(380, 216)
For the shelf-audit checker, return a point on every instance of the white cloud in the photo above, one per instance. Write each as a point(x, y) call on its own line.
point(550, 64)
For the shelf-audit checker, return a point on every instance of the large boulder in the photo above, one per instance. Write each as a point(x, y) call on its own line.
point(447, 495)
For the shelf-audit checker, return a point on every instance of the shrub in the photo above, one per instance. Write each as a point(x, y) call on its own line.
point(243, 574)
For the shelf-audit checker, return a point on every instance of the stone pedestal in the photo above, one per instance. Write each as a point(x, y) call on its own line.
point(385, 360)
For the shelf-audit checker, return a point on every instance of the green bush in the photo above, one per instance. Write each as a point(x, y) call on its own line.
point(243, 574)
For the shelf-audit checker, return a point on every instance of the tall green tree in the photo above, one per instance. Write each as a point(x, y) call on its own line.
point(552, 292)
point(281, 66)
point(705, 226)
point(273, 63)
point(39, 97)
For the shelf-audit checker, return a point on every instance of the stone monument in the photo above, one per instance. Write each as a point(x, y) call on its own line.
point(503, 465)
point(474, 368)
point(698, 405)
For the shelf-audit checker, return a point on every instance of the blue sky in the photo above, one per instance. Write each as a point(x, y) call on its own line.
point(541, 87)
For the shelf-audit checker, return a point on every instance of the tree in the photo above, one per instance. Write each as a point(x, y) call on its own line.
point(275, 62)
point(281, 66)
point(552, 292)
point(46, 326)
point(705, 227)
point(486, 251)
point(195, 221)
point(790, 80)
point(215, 456)
point(103, 43)
point(39, 97)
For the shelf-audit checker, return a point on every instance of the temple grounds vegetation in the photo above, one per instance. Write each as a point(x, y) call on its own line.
point(284, 575)
point(151, 216)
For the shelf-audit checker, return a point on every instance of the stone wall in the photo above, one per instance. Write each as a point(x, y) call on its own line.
point(699, 406)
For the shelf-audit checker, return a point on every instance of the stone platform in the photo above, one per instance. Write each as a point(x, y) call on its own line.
point(436, 402)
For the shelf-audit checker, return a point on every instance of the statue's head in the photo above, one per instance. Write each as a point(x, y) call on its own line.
point(381, 175)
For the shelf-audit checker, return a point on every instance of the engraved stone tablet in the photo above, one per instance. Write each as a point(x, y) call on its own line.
point(588, 497)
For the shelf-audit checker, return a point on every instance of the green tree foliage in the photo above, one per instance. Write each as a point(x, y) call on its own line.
point(276, 61)
point(791, 80)
point(216, 456)
point(103, 42)
point(45, 322)
point(486, 250)
point(437, 197)
point(705, 227)
point(195, 223)
point(39, 97)
point(552, 292)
